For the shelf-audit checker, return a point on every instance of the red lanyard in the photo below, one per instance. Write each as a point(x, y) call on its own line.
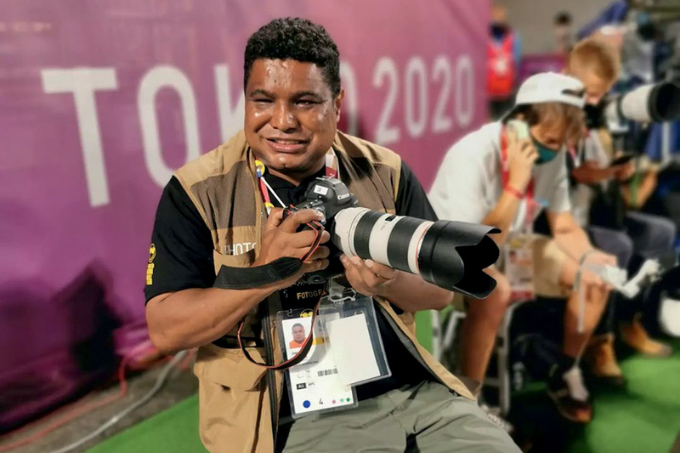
point(505, 175)
point(331, 171)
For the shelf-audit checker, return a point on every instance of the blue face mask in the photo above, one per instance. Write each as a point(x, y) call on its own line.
point(545, 154)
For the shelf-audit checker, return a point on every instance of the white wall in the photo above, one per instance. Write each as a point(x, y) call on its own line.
point(533, 19)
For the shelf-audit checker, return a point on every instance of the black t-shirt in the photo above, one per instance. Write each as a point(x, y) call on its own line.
point(183, 259)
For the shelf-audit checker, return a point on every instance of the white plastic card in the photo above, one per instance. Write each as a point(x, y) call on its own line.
point(518, 255)
point(314, 384)
point(354, 356)
point(346, 351)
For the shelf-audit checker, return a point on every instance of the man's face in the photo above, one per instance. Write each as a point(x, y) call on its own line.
point(299, 334)
point(596, 87)
point(291, 116)
point(550, 136)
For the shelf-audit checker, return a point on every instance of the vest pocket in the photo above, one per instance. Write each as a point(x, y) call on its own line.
point(231, 394)
point(243, 260)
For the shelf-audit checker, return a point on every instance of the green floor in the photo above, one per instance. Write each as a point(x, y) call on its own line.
point(645, 418)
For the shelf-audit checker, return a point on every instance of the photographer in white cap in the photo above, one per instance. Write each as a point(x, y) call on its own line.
point(505, 174)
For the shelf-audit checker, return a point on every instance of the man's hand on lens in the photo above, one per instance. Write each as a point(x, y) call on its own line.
point(281, 239)
point(521, 157)
point(367, 276)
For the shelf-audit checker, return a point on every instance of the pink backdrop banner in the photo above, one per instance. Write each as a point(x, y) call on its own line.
point(540, 62)
point(101, 100)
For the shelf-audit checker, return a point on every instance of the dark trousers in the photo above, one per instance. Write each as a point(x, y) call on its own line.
point(645, 236)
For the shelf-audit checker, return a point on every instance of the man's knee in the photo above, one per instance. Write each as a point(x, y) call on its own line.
point(503, 290)
point(494, 306)
point(500, 296)
point(617, 243)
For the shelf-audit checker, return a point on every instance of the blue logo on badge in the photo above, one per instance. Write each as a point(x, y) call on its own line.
point(306, 404)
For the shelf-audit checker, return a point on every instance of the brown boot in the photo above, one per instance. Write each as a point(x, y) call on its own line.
point(600, 360)
point(635, 336)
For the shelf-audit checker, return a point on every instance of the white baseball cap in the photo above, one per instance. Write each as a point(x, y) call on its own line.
point(551, 87)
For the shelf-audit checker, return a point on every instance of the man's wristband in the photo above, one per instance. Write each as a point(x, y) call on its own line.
point(514, 192)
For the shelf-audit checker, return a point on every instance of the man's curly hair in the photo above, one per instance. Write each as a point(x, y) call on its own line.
point(293, 38)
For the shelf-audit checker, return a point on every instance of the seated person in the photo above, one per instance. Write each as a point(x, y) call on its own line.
point(491, 177)
point(215, 205)
point(601, 195)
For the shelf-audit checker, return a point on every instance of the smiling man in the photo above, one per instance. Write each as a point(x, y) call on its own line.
point(215, 204)
point(493, 178)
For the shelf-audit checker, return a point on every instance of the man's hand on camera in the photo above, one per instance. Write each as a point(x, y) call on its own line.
point(521, 157)
point(367, 276)
point(281, 239)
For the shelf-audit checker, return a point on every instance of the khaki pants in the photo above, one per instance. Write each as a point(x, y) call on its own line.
point(548, 262)
point(424, 418)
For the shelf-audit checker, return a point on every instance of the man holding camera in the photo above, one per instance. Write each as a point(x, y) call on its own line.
point(602, 196)
point(492, 177)
point(214, 212)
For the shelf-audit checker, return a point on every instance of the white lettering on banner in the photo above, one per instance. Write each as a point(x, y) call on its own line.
point(415, 123)
point(416, 85)
point(465, 86)
point(153, 81)
point(349, 83)
point(231, 119)
point(441, 121)
point(385, 68)
point(83, 82)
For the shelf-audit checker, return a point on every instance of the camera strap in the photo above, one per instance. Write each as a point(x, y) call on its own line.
point(331, 171)
point(296, 359)
point(280, 269)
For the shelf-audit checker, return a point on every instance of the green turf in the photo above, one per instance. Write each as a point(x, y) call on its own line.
point(172, 431)
point(645, 418)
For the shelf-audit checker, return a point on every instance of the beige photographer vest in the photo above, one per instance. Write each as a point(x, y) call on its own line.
point(235, 412)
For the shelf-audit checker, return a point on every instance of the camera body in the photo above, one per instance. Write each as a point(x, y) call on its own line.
point(327, 196)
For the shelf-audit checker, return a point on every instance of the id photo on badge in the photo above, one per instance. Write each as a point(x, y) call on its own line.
point(295, 331)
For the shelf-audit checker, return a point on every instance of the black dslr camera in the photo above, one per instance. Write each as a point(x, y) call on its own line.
point(327, 196)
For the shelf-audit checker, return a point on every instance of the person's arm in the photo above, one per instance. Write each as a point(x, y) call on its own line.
point(521, 157)
point(503, 215)
point(458, 190)
point(589, 172)
point(568, 235)
point(197, 316)
point(183, 310)
point(407, 291)
point(644, 191)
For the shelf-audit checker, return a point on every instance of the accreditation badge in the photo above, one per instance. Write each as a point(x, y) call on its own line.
point(518, 259)
point(346, 351)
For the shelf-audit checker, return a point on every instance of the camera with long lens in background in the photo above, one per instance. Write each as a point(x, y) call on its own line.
point(449, 254)
point(653, 103)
